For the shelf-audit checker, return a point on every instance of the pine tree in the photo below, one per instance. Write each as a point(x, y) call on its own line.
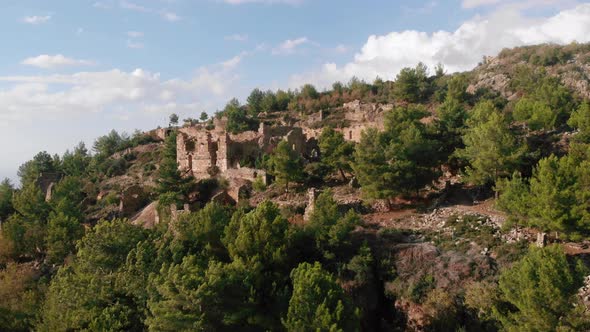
point(85, 294)
point(172, 186)
point(318, 303)
point(62, 233)
point(400, 160)
point(580, 119)
point(371, 167)
point(450, 125)
point(335, 152)
point(285, 164)
point(330, 228)
point(490, 147)
point(538, 291)
point(255, 101)
point(6, 192)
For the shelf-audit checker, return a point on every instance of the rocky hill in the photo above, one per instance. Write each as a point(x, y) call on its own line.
point(420, 201)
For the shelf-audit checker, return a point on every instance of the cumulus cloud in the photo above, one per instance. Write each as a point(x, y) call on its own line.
point(133, 92)
point(290, 45)
point(458, 50)
point(46, 61)
point(35, 20)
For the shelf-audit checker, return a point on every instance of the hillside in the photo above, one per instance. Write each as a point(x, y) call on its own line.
point(434, 202)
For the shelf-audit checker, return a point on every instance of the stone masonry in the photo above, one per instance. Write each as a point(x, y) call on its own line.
point(204, 152)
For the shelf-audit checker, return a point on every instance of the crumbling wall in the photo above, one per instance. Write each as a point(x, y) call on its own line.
point(297, 140)
point(222, 157)
point(184, 155)
point(46, 181)
point(203, 153)
point(312, 196)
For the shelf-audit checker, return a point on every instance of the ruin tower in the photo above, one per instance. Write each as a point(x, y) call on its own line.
point(223, 157)
point(312, 196)
point(204, 156)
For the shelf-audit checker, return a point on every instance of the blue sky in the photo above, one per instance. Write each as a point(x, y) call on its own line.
point(73, 70)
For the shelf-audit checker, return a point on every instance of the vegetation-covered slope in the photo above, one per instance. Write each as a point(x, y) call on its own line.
point(395, 241)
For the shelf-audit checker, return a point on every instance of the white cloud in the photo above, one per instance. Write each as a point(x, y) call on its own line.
point(235, 61)
point(290, 45)
point(165, 14)
point(138, 91)
point(237, 37)
point(79, 31)
point(478, 3)
point(135, 34)
point(36, 19)
point(53, 61)
point(458, 50)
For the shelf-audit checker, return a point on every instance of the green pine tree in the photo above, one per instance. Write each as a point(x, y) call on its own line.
point(285, 164)
point(335, 152)
point(172, 186)
point(318, 303)
point(538, 291)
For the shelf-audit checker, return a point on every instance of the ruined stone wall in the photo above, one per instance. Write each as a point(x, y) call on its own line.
point(204, 153)
point(184, 155)
point(205, 156)
point(359, 113)
point(297, 140)
point(360, 116)
point(246, 173)
point(351, 133)
point(159, 134)
point(222, 153)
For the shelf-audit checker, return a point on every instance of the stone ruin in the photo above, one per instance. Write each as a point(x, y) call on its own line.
point(204, 153)
point(359, 116)
point(46, 182)
point(312, 196)
point(211, 151)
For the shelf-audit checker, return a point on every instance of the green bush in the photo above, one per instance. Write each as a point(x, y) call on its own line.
point(258, 185)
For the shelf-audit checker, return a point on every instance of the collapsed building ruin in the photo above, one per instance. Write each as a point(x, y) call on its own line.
point(210, 151)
